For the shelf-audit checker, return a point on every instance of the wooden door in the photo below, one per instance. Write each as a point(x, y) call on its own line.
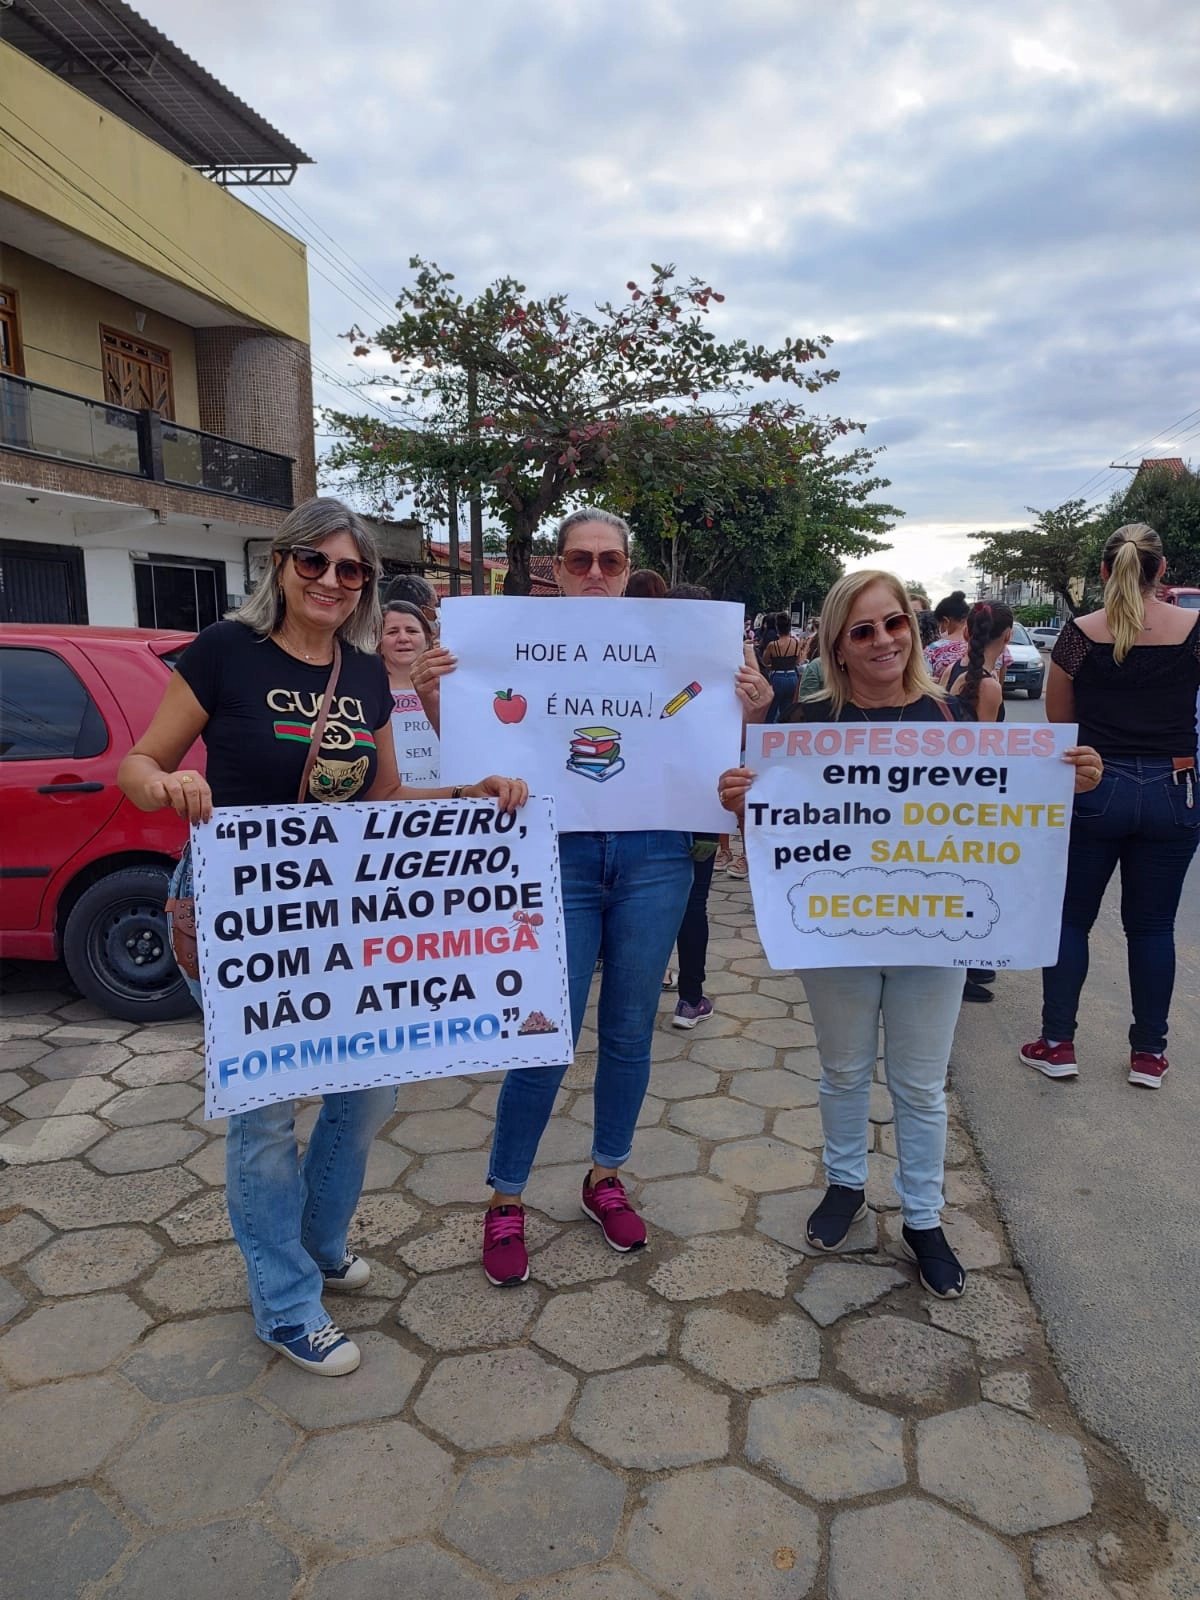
point(136, 374)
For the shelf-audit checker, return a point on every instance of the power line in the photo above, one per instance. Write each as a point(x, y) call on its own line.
point(293, 203)
point(1105, 472)
point(354, 278)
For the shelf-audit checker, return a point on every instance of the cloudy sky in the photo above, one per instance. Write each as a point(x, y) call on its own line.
point(992, 208)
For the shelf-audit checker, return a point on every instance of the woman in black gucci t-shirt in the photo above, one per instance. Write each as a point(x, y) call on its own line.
point(252, 687)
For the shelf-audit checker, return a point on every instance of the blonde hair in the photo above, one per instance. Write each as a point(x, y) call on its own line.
point(1133, 556)
point(310, 524)
point(835, 612)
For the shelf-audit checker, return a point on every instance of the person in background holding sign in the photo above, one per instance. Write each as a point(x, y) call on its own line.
point(1129, 674)
point(874, 671)
point(289, 694)
point(623, 899)
point(406, 635)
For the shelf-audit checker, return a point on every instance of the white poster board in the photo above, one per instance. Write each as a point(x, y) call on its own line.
point(625, 711)
point(415, 743)
point(344, 946)
point(933, 845)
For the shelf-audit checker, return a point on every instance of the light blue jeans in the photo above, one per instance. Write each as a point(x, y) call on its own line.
point(624, 896)
point(919, 1007)
point(291, 1217)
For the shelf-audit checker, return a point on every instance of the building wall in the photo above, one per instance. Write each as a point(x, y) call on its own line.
point(92, 173)
point(60, 320)
point(257, 387)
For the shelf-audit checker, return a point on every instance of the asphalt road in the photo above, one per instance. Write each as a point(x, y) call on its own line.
point(1099, 1184)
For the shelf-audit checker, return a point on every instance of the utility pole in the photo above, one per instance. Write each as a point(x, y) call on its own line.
point(476, 505)
point(455, 567)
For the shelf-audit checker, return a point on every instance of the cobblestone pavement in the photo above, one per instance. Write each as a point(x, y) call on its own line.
point(717, 1417)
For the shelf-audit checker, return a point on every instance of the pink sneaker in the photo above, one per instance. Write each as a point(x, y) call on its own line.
point(505, 1261)
point(1058, 1062)
point(1146, 1069)
point(739, 867)
point(607, 1205)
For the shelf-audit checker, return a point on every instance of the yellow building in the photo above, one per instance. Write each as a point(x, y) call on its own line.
point(155, 380)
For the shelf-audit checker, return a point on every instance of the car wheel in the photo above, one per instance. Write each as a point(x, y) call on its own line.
point(1034, 694)
point(118, 951)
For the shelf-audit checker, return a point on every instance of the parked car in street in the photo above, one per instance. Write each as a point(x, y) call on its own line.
point(1027, 669)
point(84, 873)
point(1176, 594)
point(1046, 635)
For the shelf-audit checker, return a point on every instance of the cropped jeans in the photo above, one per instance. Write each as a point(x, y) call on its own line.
point(623, 900)
point(1137, 817)
point(919, 1007)
point(290, 1217)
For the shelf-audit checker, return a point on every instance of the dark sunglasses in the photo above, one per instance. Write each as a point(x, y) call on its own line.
point(864, 632)
point(315, 563)
point(580, 562)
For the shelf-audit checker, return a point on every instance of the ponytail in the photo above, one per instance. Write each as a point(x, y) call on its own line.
point(1133, 556)
point(985, 622)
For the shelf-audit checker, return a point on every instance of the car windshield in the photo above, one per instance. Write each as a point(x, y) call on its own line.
point(1019, 636)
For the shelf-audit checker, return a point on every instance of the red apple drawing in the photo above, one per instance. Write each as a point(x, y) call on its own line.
point(509, 707)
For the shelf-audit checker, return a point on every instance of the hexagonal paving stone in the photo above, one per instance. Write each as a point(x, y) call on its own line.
point(18, 1053)
point(380, 1218)
point(999, 1320)
point(431, 1132)
point(344, 1486)
point(715, 1266)
point(64, 1097)
point(673, 1079)
point(762, 1165)
point(1008, 1388)
point(975, 1246)
point(781, 987)
point(834, 1288)
point(503, 1397)
point(432, 1094)
point(106, 1030)
point(773, 1087)
point(592, 1583)
point(453, 1179)
point(54, 1448)
point(750, 1355)
point(806, 1063)
point(731, 1055)
point(1066, 1570)
point(93, 1259)
point(199, 1459)
point(167, 1066)
point(380, 1389)
point(164, 1102)
point(82, 1061)
point(14, 1003)
point(565, 1140)
point(19, 1236)
point(57, 1546)
point(781, 1033)
point(12, 1301)
point(195, 1359)
point(652, 1418)
point(385, 1163)
point(1002, 1468)
point(784, 1217)
point(826, 1443)
point(578, 1256)
point(157, 1038)
point(522, 1517)
point(204, 1219)
point(420, 1571)
point(54, 1138)
point(224, 1560)
point(690, 1206)
point(608, 1326)
point(458, 1239)
point(77, 1336)
point(800, 1127)
point(454, 1310)
point(894, 1359)
point(719, 1532)
point(211, 1279)
point(717, 1117)
point(159, 1144)
point(209, 1164)
point(11, 1083)
point(556, 1191)
point(658, 1153)
point(881, 1182)
point(919, 1539)
point(68, 1195)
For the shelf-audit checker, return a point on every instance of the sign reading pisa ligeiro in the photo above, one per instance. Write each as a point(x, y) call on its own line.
point(345, 946)
point(928, 845)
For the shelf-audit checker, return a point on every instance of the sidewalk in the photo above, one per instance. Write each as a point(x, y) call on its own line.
point(719, 1417)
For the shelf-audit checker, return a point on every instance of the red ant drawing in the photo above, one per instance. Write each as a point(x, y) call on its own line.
point(534, 921)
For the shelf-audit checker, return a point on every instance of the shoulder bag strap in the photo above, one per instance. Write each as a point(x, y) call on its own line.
point(318, 728)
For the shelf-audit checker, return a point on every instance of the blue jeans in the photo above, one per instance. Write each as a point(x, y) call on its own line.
point(919, 1007)
point(1137, 816)
point(291, 1217)
point(783, 692)
point(623, 899)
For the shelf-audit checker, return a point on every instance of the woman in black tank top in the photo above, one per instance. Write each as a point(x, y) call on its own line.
point(989, 628)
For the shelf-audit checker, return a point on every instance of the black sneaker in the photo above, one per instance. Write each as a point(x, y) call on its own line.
point(835, 1216)
point(938, 1268)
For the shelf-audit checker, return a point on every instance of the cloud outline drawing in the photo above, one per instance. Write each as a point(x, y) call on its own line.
point(974, 891)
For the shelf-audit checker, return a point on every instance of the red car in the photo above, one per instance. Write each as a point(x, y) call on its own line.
point(84, 873)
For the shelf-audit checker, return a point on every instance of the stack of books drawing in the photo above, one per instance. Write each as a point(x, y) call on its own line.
point(595, 753)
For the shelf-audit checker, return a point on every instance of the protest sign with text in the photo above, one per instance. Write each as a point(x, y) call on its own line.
point(344, 946)
point(932, 845)
point(625, 713)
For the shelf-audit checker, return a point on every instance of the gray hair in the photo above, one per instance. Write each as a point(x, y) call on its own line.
point(310, 524)
point(576, 519)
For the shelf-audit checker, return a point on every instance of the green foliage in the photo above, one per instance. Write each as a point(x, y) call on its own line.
point(918, 591)
point(1034, 616)
point(534, 405)
point(1058, 551)
point(1171, 506)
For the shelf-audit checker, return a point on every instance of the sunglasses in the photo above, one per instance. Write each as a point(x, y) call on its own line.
point(864, 632)
point(579, 563)
point(315, 563)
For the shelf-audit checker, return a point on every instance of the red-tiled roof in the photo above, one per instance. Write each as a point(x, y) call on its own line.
point(1173, 465)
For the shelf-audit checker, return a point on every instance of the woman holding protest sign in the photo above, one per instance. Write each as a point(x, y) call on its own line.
point(292, 701)
point(623, 899)
point(874, 671)
point(407, 634)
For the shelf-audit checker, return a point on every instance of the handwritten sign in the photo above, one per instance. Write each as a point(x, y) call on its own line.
point(931, 845)
point(623, 710)
point(352, 945)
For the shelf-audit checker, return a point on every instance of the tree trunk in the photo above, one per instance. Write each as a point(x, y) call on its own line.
point(520, 545)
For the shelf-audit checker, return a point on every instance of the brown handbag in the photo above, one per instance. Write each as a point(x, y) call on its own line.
point(181, 909)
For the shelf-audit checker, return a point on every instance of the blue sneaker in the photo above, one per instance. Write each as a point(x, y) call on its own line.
point(687, 1016)
point(354, 1273)
point(327, 1352)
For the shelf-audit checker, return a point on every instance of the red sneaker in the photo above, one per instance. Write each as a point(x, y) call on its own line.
point(606, 1204)
point(504, 1258)
point(1146, 1069)
point(1058, 1062)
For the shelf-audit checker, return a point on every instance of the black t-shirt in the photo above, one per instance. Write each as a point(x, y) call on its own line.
point(262, 704)
point(926, 709)
point(1144, 706)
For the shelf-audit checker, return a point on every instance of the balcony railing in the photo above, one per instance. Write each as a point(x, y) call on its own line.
point(92, 433)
